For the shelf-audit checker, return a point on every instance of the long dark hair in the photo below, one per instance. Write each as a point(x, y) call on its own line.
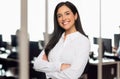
point(58, 30)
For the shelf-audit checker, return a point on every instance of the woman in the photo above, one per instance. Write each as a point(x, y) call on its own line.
point(66, 54)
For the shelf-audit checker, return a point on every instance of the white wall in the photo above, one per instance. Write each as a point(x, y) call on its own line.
point(110, 18)
point(88, 9)
point(36, 19)
point(9, 17)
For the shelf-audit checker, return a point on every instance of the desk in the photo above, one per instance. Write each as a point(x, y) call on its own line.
point(7, 61)
point(110, 70)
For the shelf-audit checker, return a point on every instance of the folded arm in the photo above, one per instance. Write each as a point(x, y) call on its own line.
point(77, 67)
point(42, 64)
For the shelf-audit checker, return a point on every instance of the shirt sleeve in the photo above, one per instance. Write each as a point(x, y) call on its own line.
point(78, 65)
point(45, 66)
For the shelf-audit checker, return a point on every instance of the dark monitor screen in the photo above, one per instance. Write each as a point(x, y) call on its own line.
point(116, 40)
point(106, 44)
point(14, 40)
point(33, 49)
point(95, 40)
point(0, 40)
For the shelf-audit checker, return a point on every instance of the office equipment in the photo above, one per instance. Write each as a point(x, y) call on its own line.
point(0, 40)
point(7, 64)
point(118, 50)
point(3, 45)
point(14, 40)
point(34, 51)
point(95, 40)
point(41, 44)
point(106, 44)
point(107, 48)
point(14, 49)
point(116, 40)
point(109, 70)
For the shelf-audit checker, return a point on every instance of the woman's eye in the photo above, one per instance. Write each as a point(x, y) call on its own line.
point(58, 16)
point(67, 13)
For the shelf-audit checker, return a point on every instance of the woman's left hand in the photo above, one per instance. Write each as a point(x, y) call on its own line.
point(45, 57)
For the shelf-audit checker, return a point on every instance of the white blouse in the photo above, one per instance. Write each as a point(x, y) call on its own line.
point(73, 50)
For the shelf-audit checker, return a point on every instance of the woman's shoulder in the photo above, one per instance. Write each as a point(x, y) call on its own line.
point(82, 41)
point(82, 38)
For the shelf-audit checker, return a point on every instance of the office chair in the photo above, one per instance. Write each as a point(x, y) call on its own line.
point(2, 45)
point(34, 51)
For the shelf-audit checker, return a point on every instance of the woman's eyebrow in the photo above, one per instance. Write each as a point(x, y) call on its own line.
point(64, 12)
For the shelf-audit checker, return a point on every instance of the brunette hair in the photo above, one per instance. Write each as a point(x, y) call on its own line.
point(58, 30)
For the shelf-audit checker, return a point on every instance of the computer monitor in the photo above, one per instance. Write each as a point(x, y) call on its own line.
point(34, 50)
point(116, 40)
point(1, 40)
point(95, 40)
point(14, 42)
point(106, 44)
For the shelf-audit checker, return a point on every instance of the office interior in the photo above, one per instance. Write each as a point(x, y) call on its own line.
point(100, 21)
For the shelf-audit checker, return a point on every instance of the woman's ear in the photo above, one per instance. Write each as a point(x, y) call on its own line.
point(76, 16)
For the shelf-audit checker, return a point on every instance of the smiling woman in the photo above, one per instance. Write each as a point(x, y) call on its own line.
point(67, 52)
point(66, 19)
point(90, 16)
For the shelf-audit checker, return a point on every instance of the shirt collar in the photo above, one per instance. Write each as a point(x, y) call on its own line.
point(71, 36)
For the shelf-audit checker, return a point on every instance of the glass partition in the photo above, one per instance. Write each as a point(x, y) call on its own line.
point(10, 18)
point(110, 18)
point(89, 13)
point(9, 24)
point(36, 19)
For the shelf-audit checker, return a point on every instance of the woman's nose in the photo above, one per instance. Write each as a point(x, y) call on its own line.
point(63, 17)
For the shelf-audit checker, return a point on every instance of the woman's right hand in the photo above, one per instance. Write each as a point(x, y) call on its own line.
point(65, 66)
point(45, 57)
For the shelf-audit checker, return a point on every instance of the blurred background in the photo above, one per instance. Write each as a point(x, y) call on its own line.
point(97, 18)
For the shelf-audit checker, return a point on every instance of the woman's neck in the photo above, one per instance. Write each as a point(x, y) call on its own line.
point(68, 32)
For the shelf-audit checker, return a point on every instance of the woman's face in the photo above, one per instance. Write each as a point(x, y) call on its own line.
point(66, 18)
